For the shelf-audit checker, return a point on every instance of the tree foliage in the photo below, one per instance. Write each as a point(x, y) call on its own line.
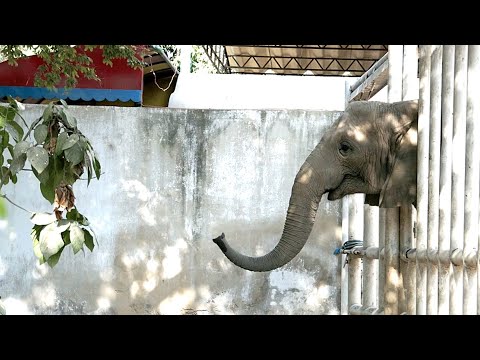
point(66, 62)
point(58, 154)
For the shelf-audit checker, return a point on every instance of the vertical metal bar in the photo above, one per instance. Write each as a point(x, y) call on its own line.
point(445, 199)
point(370, 266)
point(458, 174)
point(472, 167)
point(433, 177)
point(381, 261)
point(392, 262)
point(392, 241)
point(407, 269)
point(344, 273)
point(355, 232)
point(422, 176)
point(410, 72)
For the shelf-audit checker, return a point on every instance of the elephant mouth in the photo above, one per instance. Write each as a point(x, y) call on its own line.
point(350, 184)
point(334, 194)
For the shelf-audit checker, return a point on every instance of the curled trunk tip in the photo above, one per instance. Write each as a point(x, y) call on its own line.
point(220, 241)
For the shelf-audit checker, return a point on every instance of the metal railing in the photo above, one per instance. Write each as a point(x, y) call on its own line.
point(425, 260)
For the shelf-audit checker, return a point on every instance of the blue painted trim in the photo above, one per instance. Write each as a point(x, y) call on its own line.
point(73, 94)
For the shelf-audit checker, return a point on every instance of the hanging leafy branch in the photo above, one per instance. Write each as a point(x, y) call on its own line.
point(68, 62)
point(58, 155)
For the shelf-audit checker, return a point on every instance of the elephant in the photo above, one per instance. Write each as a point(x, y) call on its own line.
point(372, 149)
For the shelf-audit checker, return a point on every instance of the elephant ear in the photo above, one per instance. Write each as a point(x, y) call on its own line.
point(400, 188)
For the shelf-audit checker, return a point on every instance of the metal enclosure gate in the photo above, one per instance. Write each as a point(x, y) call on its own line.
point(424, 260)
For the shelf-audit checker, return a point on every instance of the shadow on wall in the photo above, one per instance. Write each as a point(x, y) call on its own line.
point(163, 197)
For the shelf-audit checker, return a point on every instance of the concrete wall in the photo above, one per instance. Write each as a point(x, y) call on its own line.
point(245, 91)
point(173, 180)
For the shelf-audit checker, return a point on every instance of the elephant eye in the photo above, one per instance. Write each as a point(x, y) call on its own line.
point(344, 148)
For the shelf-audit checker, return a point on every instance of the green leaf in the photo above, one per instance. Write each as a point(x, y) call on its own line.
point(42, 218)
point(69, 120)
point(10, 150)
point(74, 154)
point(47, 114)
point(2, 159)
point(15, 130)
point(14, 178)
point(60, 142)
point(20, 148)
point(64, 103)
point(38, 157)
point(40, 133)
point(7, 114)
point(50, 241)
point(48, 191)
point(53, 260)
point(97, 167)
point(37, 251)
point(45, 175)
point(88, 240)
point(89, 164)
point(3, 208)
point(70, 141)
point(66, 237)
point(76, 237)
point(3, 171)
point(35, 123)
point(74, 215)
point(63, 225)
point(5, 139)
point(18, 163)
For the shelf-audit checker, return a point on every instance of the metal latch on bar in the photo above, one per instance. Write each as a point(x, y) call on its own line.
point(348, 248)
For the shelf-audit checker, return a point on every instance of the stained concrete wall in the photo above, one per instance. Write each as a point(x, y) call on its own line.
point(173, 180)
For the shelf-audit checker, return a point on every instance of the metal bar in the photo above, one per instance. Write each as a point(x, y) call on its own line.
point(392, 241)
point(457, 257)
point(278, 72)
point(407, 213)
point(472, 167)
point(358, 309)
point(458, 174)
point(422, 175)
point(291, 69)
point(445, 185)
point(343, 258)
point(370, 266)
point(381, 258)
point(434, 175)
point(355, 231)
point(370, 72)
point(302, 57)
point(316, 47)
point(371, 252)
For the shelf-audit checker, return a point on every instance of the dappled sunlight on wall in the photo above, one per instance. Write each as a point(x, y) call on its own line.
point(172, 262)
point(177, 302)
point(174, 179)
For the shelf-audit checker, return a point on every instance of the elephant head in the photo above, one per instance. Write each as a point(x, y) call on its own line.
point(370, 149)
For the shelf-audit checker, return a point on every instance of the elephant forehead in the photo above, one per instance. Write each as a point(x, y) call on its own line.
point(357, 133)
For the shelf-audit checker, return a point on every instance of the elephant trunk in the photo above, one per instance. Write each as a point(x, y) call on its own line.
point(307, 192)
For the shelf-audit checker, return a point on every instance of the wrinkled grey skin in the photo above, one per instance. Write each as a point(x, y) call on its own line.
point(371, 149)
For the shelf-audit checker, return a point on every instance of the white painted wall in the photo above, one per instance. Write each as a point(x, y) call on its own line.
point(244, 91)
